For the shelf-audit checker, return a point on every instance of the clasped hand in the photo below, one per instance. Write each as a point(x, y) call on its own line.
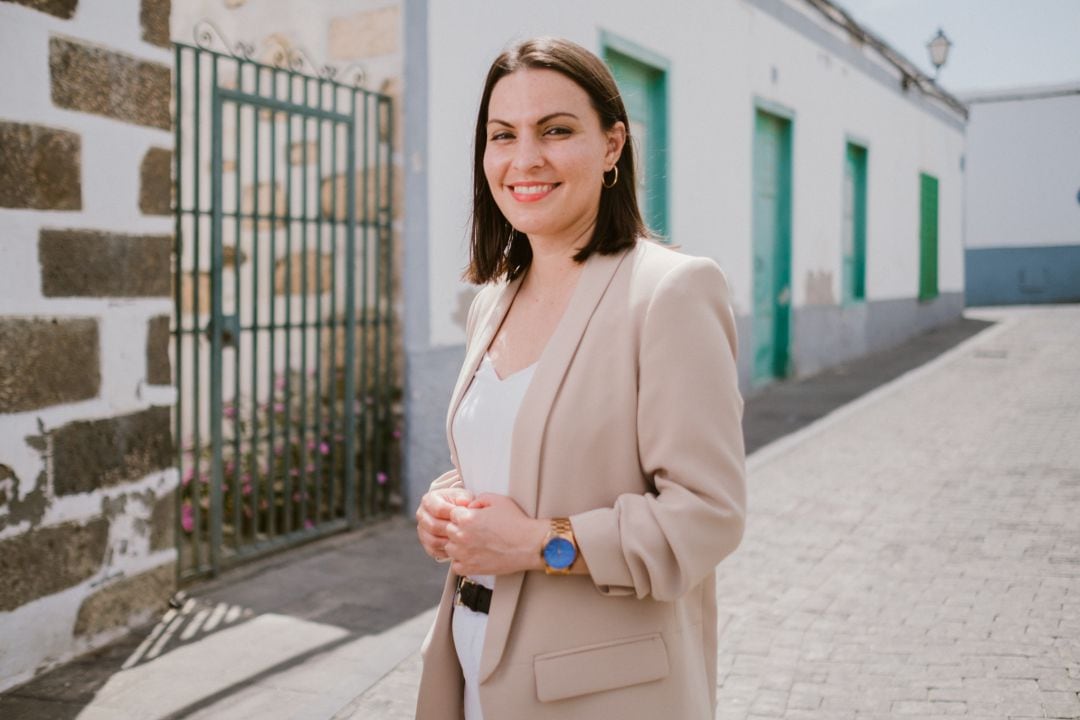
point(485, 534)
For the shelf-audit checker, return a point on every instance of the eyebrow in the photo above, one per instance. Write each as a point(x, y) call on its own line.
point(541, 121)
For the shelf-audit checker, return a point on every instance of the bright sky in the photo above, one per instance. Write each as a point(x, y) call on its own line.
point(996, 43)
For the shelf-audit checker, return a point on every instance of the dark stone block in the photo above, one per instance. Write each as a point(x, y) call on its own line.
point(47, 362)
point(94, 80)
point(154, 18)
point(88, 455)
point(163, 522)
point(87, 263)
point(157, 351)
point(119, 603)
point(47, 560)
point(40, 168)
point(16, 509)
point(60, 8)
point(155, 182)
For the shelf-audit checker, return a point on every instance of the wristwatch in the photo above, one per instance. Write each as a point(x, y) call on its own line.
point(559, 550)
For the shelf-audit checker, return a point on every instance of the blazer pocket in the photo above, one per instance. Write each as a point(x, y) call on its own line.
point(604, 666)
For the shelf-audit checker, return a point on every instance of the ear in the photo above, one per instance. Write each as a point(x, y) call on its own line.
point(616, 139)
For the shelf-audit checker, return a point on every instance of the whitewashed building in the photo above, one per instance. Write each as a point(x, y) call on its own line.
point(820, 169)
point(1023, 196)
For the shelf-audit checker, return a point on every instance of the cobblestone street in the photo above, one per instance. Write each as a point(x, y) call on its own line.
point(917, 553)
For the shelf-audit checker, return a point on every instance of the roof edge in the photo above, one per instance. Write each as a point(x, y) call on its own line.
point(910, 74)
point(1022, 92)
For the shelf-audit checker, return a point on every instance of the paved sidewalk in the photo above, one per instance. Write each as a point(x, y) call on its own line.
point(916, 553)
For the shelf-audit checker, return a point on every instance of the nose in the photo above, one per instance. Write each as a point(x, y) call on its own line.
point(527, 154)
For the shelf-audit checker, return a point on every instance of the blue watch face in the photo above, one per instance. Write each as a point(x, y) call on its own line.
point(559, 553)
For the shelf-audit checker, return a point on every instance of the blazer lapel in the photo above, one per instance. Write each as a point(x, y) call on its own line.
point(532, 417)
point(478, 345)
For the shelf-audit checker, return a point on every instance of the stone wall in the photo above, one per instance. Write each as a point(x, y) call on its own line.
point(86, 449)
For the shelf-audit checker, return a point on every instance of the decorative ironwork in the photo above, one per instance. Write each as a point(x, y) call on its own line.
point(280, 52)
point(208, 35)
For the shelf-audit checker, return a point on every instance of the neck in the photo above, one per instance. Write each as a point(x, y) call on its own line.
point(553, 260)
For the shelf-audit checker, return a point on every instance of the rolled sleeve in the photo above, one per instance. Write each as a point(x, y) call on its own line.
point(690, 442)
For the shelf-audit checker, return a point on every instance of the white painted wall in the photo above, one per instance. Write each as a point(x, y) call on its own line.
point(1023, 168)
point(721, 55)
point(40, 633)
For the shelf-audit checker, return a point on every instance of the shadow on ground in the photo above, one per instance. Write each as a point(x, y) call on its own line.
point(784, 407)
point(368, 581)
point(363, 582)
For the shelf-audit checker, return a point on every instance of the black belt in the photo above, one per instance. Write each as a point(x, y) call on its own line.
point(472, 595)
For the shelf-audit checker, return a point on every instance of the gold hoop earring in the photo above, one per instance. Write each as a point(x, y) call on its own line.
point(613, 180)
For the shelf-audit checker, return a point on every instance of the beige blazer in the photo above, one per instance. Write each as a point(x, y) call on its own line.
point(631, 427)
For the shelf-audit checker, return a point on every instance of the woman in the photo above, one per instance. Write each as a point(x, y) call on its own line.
point(595, 430)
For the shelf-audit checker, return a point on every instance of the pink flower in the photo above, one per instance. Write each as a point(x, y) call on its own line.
point(324, 448)
point(187, 517)
point(396, 434)
point(229, 410)
point(189, 475)
point(308, 524)
point(278, 449)
point(311, 445)
point(246, 488)
point(309, 469)
point(380, 477)
point(279, 383)
point(279, 407)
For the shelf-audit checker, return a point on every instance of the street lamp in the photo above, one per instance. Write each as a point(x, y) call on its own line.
point(939, 50)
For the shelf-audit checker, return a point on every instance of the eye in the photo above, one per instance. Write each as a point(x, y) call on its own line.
point(558, 130)
point(501, 135)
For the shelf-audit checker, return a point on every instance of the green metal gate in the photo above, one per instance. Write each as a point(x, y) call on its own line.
point(287, 412)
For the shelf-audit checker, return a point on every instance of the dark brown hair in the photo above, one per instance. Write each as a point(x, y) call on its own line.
point(496, 249)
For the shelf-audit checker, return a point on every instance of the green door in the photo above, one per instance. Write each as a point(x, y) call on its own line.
point(855, 223)
point(772, 245)
point(928, 237)
point(642, 87)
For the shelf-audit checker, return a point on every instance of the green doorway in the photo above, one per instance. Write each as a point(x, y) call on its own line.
point(642, 81)
point(854, 281)
point(928, 237)
point(772, 245)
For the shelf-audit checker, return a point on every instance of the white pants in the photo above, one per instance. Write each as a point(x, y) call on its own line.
point(469, 627)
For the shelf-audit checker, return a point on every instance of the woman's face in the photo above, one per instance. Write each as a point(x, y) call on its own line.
point(546, 154)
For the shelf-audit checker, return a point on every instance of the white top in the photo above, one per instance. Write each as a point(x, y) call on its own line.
point(483, 427)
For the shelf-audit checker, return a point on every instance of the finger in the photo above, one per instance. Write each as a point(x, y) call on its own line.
point(428, 539)
point(431, 546)
point(433, 525)
point(462, 498)
point(460, 515)
point(436, 505)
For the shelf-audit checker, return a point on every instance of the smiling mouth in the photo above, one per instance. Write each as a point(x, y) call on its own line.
point(532, 191)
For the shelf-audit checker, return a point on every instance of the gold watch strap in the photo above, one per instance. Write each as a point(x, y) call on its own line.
point(561, 526)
